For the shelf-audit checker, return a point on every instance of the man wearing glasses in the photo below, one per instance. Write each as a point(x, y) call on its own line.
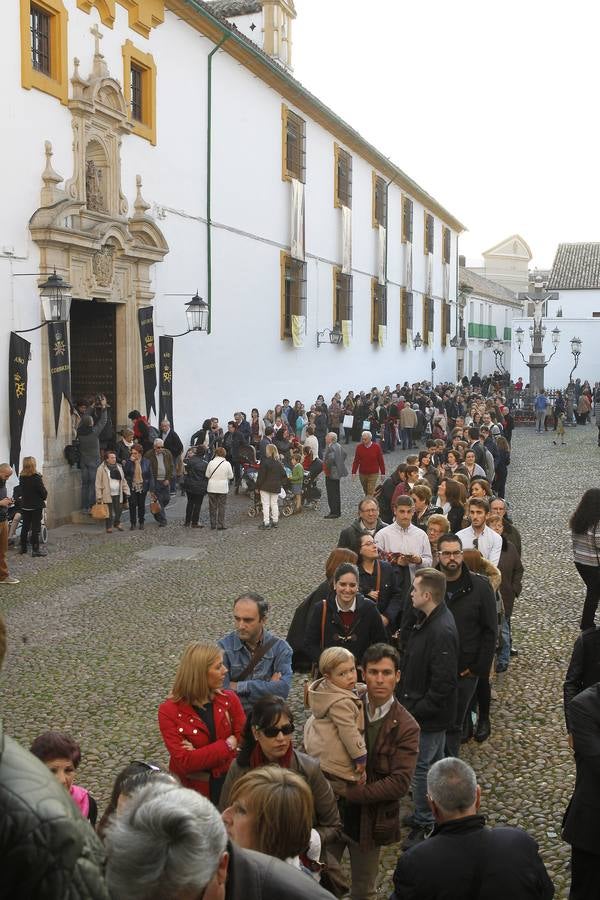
point(470, 599)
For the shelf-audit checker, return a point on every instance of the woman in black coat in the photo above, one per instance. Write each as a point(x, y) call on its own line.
point(387, 585)
point(195, 484)
point(33, 501)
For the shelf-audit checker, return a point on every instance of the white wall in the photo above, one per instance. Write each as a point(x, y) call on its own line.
point(557, 371)
point(243, 363)
point(578, 304)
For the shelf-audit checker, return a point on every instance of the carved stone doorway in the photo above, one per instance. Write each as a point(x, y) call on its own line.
point(94, 354)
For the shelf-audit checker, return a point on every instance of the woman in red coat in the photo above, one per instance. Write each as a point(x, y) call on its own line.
point(201, 724)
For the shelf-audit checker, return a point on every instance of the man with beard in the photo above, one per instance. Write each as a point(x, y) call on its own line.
point(470, 599)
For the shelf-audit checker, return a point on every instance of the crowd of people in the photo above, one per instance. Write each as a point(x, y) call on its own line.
point(399, 645)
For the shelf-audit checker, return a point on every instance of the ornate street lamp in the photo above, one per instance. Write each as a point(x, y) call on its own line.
point(417, 341)
point(55, 294)
point(329, 336)
point(576, 344)
point(196, 313)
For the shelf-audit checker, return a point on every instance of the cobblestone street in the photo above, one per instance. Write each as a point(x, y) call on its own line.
point(96, 630)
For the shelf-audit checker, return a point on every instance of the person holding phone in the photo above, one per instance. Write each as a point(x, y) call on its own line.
point(402, 543)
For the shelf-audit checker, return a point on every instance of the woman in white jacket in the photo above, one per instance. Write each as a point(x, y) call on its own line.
point(219, 474)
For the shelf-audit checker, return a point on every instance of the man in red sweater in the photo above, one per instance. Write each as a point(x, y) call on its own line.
point(368, 462)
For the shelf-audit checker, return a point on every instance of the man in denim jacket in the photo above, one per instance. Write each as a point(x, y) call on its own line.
point(251, 650)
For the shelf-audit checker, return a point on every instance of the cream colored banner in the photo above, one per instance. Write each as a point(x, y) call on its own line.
point(346, 241)
point(297, 224)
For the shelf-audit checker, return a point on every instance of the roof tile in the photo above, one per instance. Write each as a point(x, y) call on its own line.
point(575, 267)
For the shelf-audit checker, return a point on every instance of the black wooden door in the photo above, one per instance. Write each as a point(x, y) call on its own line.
point(94, 352)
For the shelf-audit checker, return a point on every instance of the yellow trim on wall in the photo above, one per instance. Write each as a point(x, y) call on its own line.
point(106, 10)
point(144, 15)
point(144, 61)
point(56, 83)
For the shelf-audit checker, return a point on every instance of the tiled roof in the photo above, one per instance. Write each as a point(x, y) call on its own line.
point(575, 267)
point(483, 287)
point(227, 8)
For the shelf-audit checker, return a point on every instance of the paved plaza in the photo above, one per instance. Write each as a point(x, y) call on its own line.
point(96, 630)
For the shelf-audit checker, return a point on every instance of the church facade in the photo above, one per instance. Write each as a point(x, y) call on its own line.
point(156, 148)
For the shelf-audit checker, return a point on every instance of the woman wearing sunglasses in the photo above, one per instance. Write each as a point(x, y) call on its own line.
point(267, 741)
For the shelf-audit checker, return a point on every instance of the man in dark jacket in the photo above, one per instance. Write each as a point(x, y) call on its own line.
point(463, 857)
point(161, 463)
point(264, 442)
point(169, 835)
point(471, 601)
point(580, 824)
point(47, 849)
point(172, 443)
point(584, 667)
point(89, 455)
point(371, 811)
point(428, 686)
point(386, 492)
point(334, 463)
point(368, 522)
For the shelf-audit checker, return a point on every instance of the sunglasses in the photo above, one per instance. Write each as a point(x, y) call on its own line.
point(273, 730)
point(150, 766)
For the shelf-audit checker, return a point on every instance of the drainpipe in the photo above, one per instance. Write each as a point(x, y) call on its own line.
point(208, 181)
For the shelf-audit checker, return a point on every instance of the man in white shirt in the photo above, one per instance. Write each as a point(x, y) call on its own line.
point(405, 544)
point(478, 535)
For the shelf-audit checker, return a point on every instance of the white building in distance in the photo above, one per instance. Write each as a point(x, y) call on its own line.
point(152, 149)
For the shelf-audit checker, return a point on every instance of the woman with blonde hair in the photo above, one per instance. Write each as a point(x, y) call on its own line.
point(271, 811)
point(201, 724)
point(271, 478)
point(33, 501)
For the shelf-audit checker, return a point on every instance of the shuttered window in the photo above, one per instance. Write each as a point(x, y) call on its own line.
point(407, 220)
point(406, 314)
point(428, 237)
point(293, 292)
point(446, 244)
point(428, 318)
point(379, 308)
point(342, 298)
point(379, 201)
point(294, 145)
point(343, 177)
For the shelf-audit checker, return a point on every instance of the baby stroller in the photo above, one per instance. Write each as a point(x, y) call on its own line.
point(311, 494)
point(287, 506)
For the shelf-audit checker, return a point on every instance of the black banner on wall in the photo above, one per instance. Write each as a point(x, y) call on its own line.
point(148, 355)
point(165, 385)
point(18, 360)
point(60, 367)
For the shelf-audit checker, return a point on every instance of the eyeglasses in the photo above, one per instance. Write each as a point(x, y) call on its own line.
point(450, 553)
point(273, 730)
point(150, 766)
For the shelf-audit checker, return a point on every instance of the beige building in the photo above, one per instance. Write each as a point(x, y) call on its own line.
point(507, 263)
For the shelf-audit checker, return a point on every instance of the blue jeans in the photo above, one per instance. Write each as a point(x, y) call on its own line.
point(504, 655)
point(88, 484)
point(431, 749)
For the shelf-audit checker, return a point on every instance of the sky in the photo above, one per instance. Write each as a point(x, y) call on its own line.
point(493, 108)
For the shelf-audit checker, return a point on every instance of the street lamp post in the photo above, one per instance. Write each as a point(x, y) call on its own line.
point(55, 294)
point(196, 313)
point(576, 344)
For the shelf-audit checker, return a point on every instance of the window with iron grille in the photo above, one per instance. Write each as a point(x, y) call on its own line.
point(445, 322)
point(446, 244)
point(40, 39)
point(379, 311)
point(294, 146)
point(428, 318)
point(137, 108)
point(379, 201)
point(342, 308)
point(343, 178)
point(293, 292)
point(406, 314)
point(429, 225)
point(407, 220)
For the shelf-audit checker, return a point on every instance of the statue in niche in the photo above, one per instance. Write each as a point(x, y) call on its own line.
point(94, 199)
point(103, 265)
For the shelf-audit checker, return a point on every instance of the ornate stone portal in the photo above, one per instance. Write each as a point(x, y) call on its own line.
point(85, 233)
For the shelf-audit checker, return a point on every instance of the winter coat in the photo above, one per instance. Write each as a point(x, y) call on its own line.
point(366, 629)
point(194, 479)
point(123, 451)
point(179, 721)
point(172, 443)
point(394, 589)
point(256, 876)
point(334, 461)
point(390, 768)
point(584, 667)
point(296, 636)
point(103, 494)
point(428, 684)
point(512, 534)
point(89, 443)
point(350, 536)
point(455, 516)
point(271, 476)
point(384, 497)
point(47, 849)
point(34, 491)
point(473, 606)
point(326, 815)
point(580, 823)
point(464, 858)
point(511, 569)
point(334, 733)
point(169, 469)
point(408, 417)
point(147, 477)
point(219, 473)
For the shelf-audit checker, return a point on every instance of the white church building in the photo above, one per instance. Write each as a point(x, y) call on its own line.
point(158, 148)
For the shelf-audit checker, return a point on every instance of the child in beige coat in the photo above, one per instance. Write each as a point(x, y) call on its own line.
point(334, 733)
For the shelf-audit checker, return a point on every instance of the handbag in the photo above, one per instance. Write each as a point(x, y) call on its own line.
point(155, 507)
point(100, 511)
point(366, 425)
